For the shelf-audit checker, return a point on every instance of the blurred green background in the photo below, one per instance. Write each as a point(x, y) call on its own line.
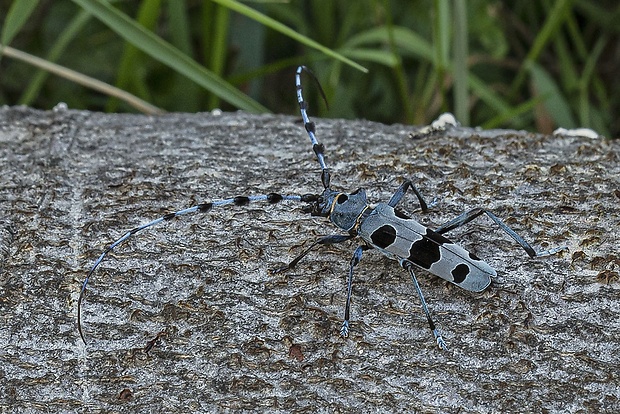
point(513, 64)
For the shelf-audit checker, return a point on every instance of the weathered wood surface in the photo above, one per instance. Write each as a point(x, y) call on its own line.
point(545, 337)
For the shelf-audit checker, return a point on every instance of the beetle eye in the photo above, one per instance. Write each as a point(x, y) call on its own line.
point(342, 198)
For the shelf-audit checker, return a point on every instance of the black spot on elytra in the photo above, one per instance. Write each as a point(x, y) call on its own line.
point(425, 252)
point(460, 272)
point(383, 236)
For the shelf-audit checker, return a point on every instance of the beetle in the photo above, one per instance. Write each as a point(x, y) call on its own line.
point(382, 227)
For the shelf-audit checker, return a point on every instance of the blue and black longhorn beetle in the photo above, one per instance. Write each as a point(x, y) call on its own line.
point(381, 227)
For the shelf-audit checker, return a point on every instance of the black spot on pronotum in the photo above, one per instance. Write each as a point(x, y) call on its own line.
point(460, 272)
point(383, 236)
point(342, 198)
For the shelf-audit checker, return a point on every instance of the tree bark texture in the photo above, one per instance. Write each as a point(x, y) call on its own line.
point(225, 334)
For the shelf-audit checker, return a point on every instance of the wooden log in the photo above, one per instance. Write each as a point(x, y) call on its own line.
point(544, 337)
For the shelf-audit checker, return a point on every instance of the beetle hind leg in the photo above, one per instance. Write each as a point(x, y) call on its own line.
point(408, 266)
point(476, 212)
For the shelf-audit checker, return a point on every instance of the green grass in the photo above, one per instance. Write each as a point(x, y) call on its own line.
point(531, 66)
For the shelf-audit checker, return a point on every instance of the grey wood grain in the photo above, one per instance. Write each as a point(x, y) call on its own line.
point(545, 337)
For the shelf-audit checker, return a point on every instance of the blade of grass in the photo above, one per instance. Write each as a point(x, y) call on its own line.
point(578, 41)
point(207, 13)
point(127, 77)
point(324, 12)
point(16, 17)
point(167, 54)
point(81, 79)
point(270, 68)
point(459, 65)
point(512, 113)
point(441, 34)
point(567, 66)
point(179, 26)
point(424, 77)
point(586, 78)
point(482, 90)
point(606, 16)
point(219, 46)
point(411, 43)
point(382, 57)
point(558, 15)
point(553, 99)
point(401, 78)
point(427, 96)
point(287, 31)
point(441, 43)
point(68, 34)
point(184, 89)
